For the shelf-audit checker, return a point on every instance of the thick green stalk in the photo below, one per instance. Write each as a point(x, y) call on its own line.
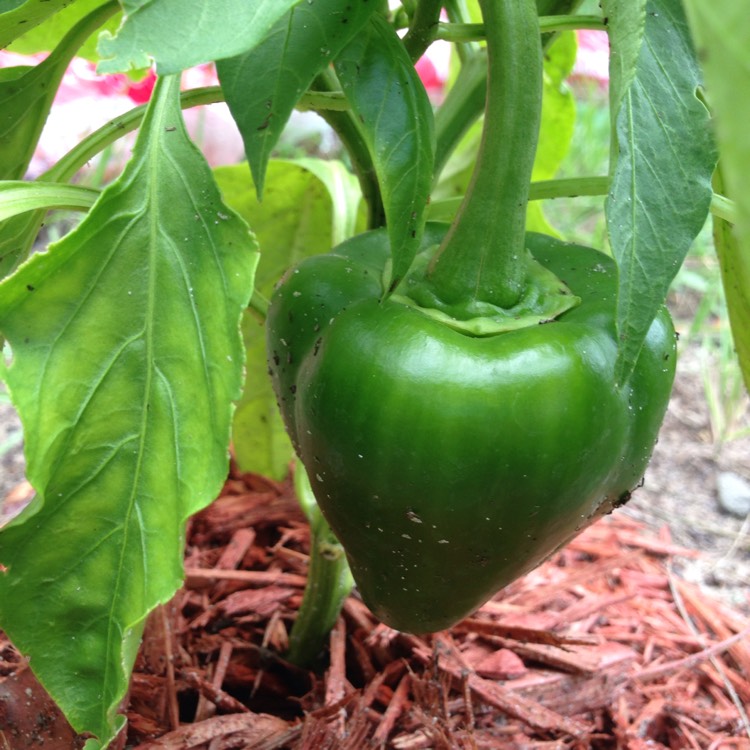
point(465, 100)
point(329, 581)
point(483, 257)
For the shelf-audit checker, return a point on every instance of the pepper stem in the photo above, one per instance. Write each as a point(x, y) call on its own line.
point(483, 257)
point(329, 581)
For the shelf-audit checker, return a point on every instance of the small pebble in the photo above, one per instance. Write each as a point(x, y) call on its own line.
point(733, 493)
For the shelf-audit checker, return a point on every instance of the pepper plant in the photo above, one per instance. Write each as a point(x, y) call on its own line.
point(465, 390)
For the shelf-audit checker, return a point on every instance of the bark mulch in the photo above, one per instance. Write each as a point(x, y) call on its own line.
point(600, 647)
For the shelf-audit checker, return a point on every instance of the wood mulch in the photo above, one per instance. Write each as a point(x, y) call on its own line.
point(600, 647)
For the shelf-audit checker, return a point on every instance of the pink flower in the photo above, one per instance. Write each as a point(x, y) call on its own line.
point(592, 61)
point(85, 101)
point(433, 68)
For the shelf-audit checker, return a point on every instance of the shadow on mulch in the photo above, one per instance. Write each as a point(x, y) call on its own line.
point(600, 647)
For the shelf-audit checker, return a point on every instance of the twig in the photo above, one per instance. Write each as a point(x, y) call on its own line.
point(690, 661)
point(494, 694)
point(222, 663)
point(173, 707)
point(522, 633)
point(196, 576)
point(716, 663)
point(395, 708)
point(222, 700)
point(336, 682)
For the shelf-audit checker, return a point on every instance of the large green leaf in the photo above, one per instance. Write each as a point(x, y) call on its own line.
point(45, 37)
point(17, 16)
point(626, 23)
point(661, 187)
point(26, 99)
point(309, 206)
point(180, 33)
point(396, 118)
point(722, 36)
point(126, 357)
point(263, 85)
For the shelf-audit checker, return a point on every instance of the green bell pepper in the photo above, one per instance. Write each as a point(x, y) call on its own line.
point(460, 430)
point(447, 464)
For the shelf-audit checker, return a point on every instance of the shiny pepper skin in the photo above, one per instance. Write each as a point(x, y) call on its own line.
point(449, 465)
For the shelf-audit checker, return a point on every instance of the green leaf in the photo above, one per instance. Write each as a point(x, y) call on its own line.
point(17, 236)
point(261, 444)
point(26, 99)
point(17, 197)
point(348, 218)
point(722, 37)
point(17, 16)
point(26, 96)
point(178, 34)
point(396, 119)
point(661, 188)
point(557, 124)
point(626, 22)
point(126, 357)
point(734, 256)
point(263, 85)
point(300, 215)
point(294, 220)
point(46, 36)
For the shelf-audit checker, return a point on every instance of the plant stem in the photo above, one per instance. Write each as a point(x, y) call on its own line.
point(475, 32)
point(483, 257)
point(723, 207)
point(458, 12)
point(19, 196)
point(423, 26)
point(116, 128)
point(329, 581)
point(462, 106)
point(259, 304)
point(319, 100)
point(347, 130)
point(562, 187)
point(465, 100)
point(574, 187)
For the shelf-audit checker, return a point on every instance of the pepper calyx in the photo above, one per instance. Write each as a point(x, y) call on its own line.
point(545, 297)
